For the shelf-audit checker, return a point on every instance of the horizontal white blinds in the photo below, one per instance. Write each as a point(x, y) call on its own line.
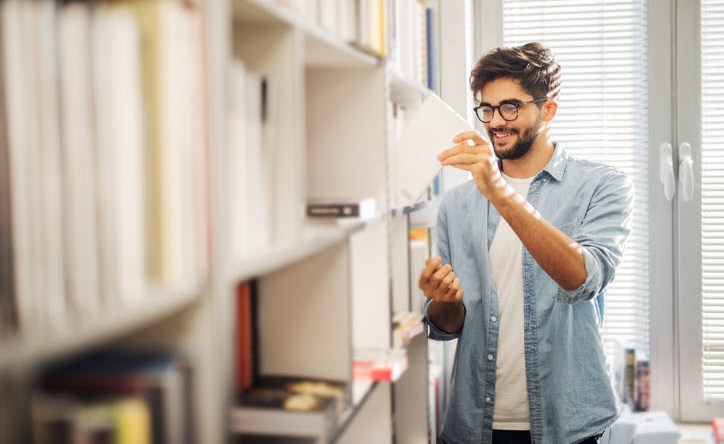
point(602, 116)
point(712, 195)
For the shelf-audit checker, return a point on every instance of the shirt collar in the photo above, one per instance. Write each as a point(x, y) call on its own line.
point(557, 164)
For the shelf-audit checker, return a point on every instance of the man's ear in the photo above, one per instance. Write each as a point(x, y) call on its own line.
point(549, 110)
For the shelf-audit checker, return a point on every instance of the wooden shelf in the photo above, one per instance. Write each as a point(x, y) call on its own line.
point(316, 238)
point(23, 353)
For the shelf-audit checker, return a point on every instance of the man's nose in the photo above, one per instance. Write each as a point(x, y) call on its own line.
point(497, 120)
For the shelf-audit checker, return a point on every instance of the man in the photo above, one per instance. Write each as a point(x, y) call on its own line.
point(526, 247)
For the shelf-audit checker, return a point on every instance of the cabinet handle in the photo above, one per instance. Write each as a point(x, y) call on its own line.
point(666, 172)
point(686, 171)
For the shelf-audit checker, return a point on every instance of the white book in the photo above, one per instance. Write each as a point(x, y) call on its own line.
point(120, 153)
point(655, 428)
point(23, 159)
point(428, 132)
point(199, 140)
point(347, 20)
point(53, 303)
point(236, 173)
point(329, 15)
point(79, 167)
point(256, 187)
point(175, 119)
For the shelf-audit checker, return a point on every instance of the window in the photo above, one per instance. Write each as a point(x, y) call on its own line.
point(712, 196)
point(603, 116)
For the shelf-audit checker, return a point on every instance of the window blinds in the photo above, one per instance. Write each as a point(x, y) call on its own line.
point(712, 195)
point(602, 116)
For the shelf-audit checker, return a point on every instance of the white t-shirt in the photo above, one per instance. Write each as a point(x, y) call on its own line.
point(506, 264)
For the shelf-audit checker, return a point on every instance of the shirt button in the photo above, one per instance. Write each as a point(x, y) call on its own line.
point(490, 357)
point(493, 318)
point(487, 399)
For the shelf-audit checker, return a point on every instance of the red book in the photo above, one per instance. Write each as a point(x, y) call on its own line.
point(244, 338)
point(717, 427)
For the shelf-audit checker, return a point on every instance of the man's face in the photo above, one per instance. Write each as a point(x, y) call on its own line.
point(511, 139)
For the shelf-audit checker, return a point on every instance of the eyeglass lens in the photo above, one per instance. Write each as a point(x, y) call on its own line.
point(508, 111)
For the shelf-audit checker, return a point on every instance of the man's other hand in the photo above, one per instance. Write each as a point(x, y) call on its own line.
point(439, 283)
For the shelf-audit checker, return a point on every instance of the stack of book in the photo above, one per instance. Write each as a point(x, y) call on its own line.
point(124, 398)
point(292, 407)
point(379, 365)
point(102, 172)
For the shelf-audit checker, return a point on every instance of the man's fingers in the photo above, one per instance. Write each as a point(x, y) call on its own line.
point(473, 135)
point(460, 148)
point(449, 295)
point(430, 267)
point(459, 295)
point(440, 274)
point(425, 283)
point(462, 159)
point(448, 280)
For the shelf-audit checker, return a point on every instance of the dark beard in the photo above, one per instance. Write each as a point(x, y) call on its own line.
point(520, 149)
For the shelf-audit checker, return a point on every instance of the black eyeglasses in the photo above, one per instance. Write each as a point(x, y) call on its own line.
point(508, 111)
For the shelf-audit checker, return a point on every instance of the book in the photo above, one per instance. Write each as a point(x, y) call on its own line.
point(47, 126)
point(119, 154)
point(379, 365)
point(655, 428)
point(428, 132)
point(162, 380)
point(365, 208)
point(245, 336)
point(80, 172)
point(717, 429)
point(70, 420)
point(630, 376)
point(8, 320)
point(290, 406)
point(642, 386)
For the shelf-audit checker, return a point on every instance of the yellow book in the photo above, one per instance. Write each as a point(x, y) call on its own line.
point(169, 59)
point(133, 422)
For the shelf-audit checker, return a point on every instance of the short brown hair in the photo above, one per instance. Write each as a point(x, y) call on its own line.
point(532, 64)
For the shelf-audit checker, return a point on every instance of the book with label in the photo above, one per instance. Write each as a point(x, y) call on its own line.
point(333, 208)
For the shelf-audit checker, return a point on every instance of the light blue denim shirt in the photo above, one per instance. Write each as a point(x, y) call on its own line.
point(569, 390)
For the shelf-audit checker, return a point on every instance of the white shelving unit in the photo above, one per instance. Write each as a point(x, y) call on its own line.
point(324, 290)
point(25, 353)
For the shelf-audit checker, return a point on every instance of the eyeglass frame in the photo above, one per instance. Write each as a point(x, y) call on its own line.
point(518, 106)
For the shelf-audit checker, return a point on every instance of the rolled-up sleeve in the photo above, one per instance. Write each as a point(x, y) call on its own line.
point(444, 250)
point(602, 235)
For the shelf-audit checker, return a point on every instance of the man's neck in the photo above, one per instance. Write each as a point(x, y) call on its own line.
point(532, 163)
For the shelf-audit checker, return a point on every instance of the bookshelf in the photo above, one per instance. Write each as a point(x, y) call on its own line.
point(196, 191)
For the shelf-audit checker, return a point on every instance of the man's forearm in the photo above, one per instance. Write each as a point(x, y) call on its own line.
point(447, 316)
point(559, 255)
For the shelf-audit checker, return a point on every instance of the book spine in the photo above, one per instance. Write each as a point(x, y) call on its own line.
point(630, 376)
point(333, 210)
